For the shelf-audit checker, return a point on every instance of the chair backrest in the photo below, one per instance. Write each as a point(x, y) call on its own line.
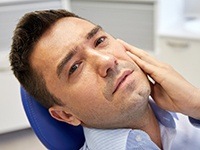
point(55, 135)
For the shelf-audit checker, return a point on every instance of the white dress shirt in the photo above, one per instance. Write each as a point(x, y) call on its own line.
point(177, 133)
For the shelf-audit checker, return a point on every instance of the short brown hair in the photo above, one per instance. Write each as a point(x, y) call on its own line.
point(26, 35)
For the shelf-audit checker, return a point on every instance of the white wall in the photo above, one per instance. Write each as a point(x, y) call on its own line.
point(192, 8)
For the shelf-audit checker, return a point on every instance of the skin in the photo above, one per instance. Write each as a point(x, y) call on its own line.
point(170, 90)
point(86, 85)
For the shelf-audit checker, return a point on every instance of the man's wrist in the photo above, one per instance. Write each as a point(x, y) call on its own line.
point(194, 111)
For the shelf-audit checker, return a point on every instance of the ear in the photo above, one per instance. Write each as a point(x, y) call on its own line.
point(61, 114)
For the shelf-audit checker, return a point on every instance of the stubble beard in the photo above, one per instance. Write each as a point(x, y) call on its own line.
point(132, 112)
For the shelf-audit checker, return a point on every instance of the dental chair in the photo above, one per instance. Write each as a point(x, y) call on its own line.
point(54, 135)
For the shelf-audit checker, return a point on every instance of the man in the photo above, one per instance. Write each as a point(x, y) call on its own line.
point(84, 76)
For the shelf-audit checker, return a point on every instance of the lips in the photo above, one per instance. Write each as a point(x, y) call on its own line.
point(121, 79)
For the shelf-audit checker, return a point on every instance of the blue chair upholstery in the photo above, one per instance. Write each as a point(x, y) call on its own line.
point(55, 135)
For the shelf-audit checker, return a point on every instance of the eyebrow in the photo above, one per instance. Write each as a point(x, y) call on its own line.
point(65, 60)
point(93, 32)
point(73, 51)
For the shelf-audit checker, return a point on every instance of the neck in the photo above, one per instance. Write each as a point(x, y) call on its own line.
point(151, 126)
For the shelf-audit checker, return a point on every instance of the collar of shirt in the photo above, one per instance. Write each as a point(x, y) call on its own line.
point(128, 139)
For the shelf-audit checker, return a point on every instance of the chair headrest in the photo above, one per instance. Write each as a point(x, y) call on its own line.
point(52, 133)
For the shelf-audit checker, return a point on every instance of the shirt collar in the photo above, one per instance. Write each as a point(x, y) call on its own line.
point(166, 118)
point(100, 139)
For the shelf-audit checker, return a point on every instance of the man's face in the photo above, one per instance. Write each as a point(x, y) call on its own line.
point(91, 73)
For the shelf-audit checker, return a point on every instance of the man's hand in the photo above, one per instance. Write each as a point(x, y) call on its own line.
point(170, 90)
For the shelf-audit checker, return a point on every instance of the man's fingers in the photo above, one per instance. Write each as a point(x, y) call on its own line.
point(143, 55)
point(138, 61)
point(136, 51)
point(145, 66)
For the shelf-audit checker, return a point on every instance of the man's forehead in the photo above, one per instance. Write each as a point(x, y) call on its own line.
point(73, 24)
point(65, 31)
point(69, 29)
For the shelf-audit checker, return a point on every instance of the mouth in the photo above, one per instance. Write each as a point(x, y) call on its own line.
point(119, 82)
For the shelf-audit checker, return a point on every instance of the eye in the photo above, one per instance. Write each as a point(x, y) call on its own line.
point(74, 68)
point(99, 41)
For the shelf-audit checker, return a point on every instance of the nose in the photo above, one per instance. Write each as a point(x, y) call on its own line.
point(103, 62)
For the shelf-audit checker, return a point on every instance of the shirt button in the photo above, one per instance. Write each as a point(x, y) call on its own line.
point(138, 138)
